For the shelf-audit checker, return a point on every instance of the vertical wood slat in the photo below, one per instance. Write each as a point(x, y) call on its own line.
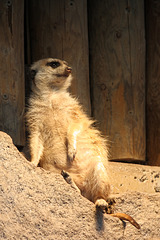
point(117, 69)
point(153, 81)
point(58, 29)
point(12, 70)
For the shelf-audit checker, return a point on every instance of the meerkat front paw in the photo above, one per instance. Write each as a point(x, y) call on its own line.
point(71, 153)
point(34, 163)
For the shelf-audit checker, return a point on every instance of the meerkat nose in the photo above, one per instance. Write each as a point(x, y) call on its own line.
point(69, 69)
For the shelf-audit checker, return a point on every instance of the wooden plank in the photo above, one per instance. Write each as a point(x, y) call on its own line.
point(58, 29)
point(138, 77)
point(153, 84)
point(12, 70)
point(117, 70)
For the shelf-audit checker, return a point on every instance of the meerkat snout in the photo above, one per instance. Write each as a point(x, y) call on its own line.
point(69, 69)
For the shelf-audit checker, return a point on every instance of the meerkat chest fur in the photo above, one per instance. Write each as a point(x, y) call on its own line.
point(52, 114)
point(60, 114)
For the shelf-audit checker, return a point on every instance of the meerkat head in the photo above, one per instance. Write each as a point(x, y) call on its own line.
point(51, 74)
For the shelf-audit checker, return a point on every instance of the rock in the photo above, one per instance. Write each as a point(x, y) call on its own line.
point(36, 204)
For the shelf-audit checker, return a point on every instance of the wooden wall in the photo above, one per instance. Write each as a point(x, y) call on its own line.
point(117, 69)
point(114, 42)
point(12, 69)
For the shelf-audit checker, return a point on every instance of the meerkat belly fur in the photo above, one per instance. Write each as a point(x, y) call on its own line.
point(61, 136)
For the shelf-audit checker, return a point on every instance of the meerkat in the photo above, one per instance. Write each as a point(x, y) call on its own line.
point(62, 137)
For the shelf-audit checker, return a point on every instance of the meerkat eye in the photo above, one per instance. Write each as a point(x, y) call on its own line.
point(53, 64)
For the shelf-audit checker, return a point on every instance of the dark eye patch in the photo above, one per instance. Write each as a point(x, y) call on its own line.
point(53, 64)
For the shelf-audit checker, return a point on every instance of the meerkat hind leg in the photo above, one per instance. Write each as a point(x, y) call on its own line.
point(69, 180)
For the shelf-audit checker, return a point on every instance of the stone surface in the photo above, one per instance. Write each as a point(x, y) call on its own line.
point(36, 204)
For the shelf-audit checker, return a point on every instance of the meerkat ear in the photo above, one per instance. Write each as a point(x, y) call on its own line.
point(33, 74)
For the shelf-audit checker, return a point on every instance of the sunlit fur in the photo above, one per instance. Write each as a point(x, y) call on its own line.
point(62, 136)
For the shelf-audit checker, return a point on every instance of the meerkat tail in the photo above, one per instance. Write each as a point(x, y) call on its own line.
point(123, 216)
